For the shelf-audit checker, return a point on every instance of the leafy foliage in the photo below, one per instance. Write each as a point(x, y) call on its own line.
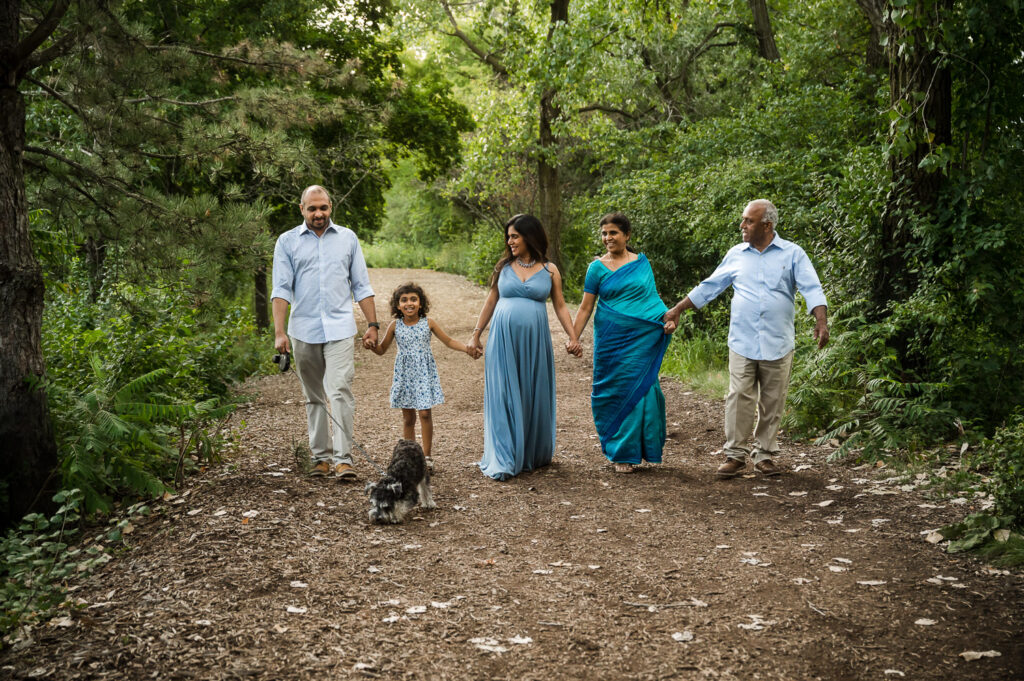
point(37, 558)
point(138, 383)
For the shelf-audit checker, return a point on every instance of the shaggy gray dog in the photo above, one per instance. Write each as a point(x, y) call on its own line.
point(406, 483)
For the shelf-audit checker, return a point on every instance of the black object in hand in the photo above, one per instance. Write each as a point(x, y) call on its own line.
point(283, 360)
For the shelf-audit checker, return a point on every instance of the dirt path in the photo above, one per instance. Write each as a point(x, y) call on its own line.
point(572, 572)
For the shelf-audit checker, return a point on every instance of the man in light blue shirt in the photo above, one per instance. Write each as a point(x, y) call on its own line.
point(319, 270)
point(765, 272)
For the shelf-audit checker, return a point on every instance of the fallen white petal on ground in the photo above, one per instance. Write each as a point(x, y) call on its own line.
point(250, 514)
point(520, 640)
point(847, 561)
point(837, 568)
point(757, 623)
point(972, 655)
point(296, 610)
point(643, 510)
point(542, 572)
point(827, 502)
point(412, 547)
point(872, 582)
point(489, 645)
point(682, 636)
point(416, 610)
point(893, 672)
point(924, 622)
point(296, 584)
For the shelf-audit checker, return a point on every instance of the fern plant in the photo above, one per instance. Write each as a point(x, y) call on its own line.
point(118, 438)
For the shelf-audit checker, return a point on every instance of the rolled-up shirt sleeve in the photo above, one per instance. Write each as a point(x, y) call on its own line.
point(283, 276)
point(712, 287)
point(359, 276)
point(807, 282)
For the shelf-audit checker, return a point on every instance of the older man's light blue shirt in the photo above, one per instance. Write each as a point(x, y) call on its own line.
point(764, 296)
point(320, 277)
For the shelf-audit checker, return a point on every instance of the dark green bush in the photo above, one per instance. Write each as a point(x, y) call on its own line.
point(137, 383)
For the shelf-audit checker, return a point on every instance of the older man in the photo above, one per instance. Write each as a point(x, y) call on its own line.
point(319, 269)
point(765, 272)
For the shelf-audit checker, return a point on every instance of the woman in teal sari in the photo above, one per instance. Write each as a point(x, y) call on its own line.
point(629, 344)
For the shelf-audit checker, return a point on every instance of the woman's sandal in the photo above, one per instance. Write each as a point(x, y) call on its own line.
point(624, 468)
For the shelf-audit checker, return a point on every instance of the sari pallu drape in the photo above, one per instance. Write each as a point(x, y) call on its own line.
point(629, 345)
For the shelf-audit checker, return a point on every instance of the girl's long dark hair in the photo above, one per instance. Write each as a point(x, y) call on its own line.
point(534, 237)
point(402, 290)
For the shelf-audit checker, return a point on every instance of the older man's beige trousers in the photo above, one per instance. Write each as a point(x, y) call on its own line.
point(756, 388)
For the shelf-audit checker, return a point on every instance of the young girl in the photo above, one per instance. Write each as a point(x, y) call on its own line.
point(416, 386)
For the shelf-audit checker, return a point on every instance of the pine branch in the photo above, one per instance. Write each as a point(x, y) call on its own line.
point(213, 55)
point(42, 31)
point(166, 100)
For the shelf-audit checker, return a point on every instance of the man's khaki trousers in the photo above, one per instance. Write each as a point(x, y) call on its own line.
point(756, 387)
point(327, 370)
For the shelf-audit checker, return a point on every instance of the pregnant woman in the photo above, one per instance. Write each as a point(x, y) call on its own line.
point(519, 365)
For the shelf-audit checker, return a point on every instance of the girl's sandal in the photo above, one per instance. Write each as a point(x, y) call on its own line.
point(623, 468)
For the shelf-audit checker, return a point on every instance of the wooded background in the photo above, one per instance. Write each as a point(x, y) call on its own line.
point(152, 150)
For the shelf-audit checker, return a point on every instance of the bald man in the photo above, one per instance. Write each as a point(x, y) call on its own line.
point(319, 270)
point(765, 272)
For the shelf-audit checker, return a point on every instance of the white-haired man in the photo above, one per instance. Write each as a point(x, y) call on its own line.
point(765, 272)
point(319, 269)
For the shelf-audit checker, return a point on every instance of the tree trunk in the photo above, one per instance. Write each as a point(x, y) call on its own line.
point(260, 303)
point(29, 452)
point(549, 187)
point(763, 27)
point(914, 73)
point(874, 54)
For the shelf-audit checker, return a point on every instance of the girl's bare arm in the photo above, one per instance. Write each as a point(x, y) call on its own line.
point(448, 340)
point(383, 345)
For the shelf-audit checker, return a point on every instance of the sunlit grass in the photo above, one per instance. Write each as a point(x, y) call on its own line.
point(700, 363)
point(395, 254)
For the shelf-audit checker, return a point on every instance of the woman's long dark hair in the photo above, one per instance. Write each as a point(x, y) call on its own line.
point(620, 221)
point(534, 237)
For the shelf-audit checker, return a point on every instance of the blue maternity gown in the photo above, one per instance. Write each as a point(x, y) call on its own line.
point(519, 379)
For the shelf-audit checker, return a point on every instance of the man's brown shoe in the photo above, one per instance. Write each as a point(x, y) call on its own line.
point(320, 470)
point(344, 471)
point(767, 468)
point(730, 469)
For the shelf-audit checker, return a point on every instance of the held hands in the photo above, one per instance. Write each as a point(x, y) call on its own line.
point(473, 347)
point(671, 320)
point(574, 348)
point(370, 338)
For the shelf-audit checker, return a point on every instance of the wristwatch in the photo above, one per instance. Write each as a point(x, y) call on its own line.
point(375, 325)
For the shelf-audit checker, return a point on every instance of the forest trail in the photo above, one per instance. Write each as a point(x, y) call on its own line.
point(572, 572)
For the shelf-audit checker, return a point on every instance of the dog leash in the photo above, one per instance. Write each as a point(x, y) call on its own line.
point(283, 360)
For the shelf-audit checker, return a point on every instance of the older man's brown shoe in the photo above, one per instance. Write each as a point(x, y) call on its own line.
point(730, 469)
point(767, 468)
